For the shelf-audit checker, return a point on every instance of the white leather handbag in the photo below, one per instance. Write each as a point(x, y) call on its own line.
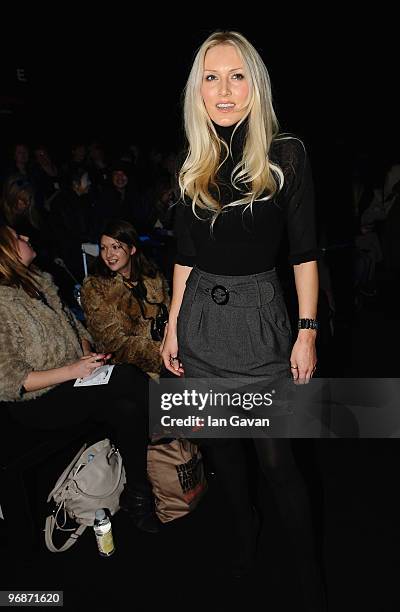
point(94, 479)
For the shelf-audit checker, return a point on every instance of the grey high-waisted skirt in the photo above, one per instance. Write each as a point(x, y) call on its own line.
point(230, 326)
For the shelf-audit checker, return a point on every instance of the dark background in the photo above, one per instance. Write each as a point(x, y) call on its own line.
point(334, 84)
point(334, 81)
point(333, 78)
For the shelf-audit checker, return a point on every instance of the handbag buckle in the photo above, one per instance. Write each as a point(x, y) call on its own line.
point(113, 451)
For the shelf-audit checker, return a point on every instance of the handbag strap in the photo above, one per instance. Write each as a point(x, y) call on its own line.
point(48, 535)
point(139, 292)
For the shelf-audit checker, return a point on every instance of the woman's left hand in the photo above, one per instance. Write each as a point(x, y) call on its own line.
point(102, 358)
point(303, 359)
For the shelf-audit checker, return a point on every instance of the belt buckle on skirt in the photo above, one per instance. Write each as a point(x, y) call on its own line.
point(220, 295)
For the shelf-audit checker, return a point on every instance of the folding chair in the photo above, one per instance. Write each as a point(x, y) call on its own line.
point(91, 249)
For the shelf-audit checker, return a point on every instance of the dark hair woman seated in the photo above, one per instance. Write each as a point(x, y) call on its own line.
point(126, 301)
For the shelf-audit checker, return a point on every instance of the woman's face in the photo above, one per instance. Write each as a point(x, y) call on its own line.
point(24, 249)
point(23, 203)
point(79, 153)
point(116, 255)
point(225, 89)
point(42, 156)
point(21, 154)
point(119, 179)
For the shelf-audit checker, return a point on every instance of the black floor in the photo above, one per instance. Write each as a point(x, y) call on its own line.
point(353, 486)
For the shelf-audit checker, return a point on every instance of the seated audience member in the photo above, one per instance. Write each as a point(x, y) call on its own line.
point(77, 159)
point(19, 211)
point(97, 166)
point(19, 161)
point(119, 199)
point(45, 177)
point(126, 300)
point(73, 221)
point(17, 202)
point(44, 350)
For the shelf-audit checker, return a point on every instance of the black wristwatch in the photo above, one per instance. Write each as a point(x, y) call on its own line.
point(307, 324)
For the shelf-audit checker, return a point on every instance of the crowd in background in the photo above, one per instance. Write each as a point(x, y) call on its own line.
point(66, 199)
point(61, 204)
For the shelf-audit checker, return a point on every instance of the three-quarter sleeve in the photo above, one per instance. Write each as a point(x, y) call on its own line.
point(186, 250)
point(300, 208)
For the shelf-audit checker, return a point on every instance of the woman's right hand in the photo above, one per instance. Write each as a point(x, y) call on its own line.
point(82, 368)
point(86, 365)
point(169, 353)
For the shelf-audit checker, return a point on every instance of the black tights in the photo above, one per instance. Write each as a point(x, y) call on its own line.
point(278, 467)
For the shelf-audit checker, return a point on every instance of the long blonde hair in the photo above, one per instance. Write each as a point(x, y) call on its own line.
point(18, 188)
point(254, 175)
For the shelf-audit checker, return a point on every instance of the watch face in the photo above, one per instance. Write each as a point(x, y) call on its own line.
point(308, 324)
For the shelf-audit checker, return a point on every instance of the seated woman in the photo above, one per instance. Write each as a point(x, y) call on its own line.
point(19, 210)
point(126, 300)
point(45, 349)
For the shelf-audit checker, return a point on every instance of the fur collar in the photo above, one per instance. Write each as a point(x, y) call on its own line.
point(115, 286)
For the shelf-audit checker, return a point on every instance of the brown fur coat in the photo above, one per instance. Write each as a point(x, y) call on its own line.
point(115, 321)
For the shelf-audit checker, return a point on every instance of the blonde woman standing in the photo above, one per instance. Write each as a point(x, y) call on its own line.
point(242, 186)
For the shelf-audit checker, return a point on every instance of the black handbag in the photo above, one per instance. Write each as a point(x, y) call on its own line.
point(159, 322)
point(157, 325)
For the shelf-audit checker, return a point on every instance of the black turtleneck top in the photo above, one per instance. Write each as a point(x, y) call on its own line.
point(246, 243)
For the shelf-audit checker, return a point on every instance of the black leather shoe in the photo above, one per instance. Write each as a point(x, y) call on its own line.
point(244, 563)
point(139, 506)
